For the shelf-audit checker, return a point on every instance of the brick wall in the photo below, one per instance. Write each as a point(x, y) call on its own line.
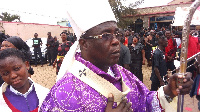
point(27, 30)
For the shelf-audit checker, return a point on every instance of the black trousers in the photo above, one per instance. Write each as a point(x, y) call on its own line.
point(37, 50)
point(155, 85)
point(191, 69)
point(50, 53)
point(170, 65)
point(55, 54)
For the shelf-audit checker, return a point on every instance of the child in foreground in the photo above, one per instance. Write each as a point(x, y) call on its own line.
point(18, 92)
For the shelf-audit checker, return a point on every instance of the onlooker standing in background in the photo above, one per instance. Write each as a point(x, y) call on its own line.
point(56, 44)
point(70, 37)
point(50, 48)
point(37, 42)
point(142, 37)
point(158, 34)
point(137, 57)
point(75, 38)
point(128, 38)
point(149, 42)
point(125, 56)
point(170, 50)
point(159, 68)
point(63, 48)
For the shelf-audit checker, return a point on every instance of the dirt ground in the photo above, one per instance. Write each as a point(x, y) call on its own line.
point(46, 76)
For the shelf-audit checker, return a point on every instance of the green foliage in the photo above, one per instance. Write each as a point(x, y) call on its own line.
point(8, 17)
point(121, 12)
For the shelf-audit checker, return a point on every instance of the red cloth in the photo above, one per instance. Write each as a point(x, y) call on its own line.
point(171, 48)
point(126, 41)
point(199, 45)
point(193, 46)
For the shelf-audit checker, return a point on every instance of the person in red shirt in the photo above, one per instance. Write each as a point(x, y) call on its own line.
point(198, 44)
point(127, 34)
point(193, 48)
point(192, 45)
point(170, 51)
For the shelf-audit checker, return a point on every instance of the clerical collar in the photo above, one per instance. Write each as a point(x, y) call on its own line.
point(25, 94)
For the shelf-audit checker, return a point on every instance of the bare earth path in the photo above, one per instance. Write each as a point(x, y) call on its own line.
point(46, 76)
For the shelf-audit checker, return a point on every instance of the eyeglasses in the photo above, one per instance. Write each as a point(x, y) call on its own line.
point(105, 36)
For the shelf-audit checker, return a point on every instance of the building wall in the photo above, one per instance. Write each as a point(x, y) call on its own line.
point(159, 11)
point(27, 30)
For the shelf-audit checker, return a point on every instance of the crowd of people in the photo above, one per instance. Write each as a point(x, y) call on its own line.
point(100, 70)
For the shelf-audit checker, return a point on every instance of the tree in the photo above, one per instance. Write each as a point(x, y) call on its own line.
point(121, 11)
point(8, 17)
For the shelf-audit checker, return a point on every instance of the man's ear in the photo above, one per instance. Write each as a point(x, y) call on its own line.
point(83, 43)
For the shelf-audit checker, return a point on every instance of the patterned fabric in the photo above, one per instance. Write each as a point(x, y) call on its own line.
point(62, 50)
point(71, 94)
point(156, 105)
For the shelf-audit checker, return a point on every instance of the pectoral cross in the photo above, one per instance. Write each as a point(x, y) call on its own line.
point(82, 72)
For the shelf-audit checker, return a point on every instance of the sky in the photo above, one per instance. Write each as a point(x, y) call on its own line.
point(51, 11)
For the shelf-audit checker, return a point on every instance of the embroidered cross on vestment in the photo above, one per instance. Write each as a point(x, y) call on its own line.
point(82, 72)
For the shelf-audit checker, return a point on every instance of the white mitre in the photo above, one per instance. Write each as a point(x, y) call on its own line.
point(83, 15)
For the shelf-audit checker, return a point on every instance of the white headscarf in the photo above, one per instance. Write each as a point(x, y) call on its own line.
point(83, 15)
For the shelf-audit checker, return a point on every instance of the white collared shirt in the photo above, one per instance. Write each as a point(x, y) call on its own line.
point(110, 72)
point(25, 94)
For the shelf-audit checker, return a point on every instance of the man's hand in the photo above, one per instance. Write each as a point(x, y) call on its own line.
point(172, 90)
point(124, 106)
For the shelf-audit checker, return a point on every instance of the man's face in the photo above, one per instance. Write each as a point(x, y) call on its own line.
point(103, 52)
point(135, 40)
point(127, 33)
point(49, 34)
point(164, 42)
point(168, 34)
point(35, 35)
point(63, 37)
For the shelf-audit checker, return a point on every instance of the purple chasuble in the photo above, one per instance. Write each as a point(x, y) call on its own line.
point(30, 103)
point(71, 94)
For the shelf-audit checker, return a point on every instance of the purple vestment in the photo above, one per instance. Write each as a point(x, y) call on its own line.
point(71, 94)
point(30, 103)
